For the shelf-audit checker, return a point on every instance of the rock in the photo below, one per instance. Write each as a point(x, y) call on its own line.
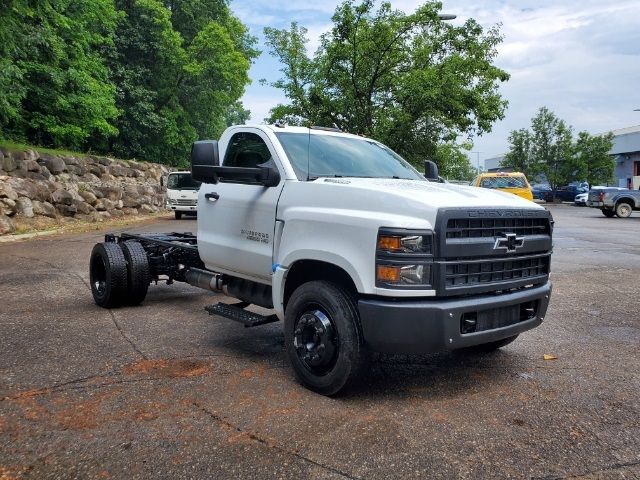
point(83, 207)
point(88, 197)
point(31, 155)
point(44, 209)
point(130, 211)
point(120, 171)
point(89, 178)
point(44, 171)
point(55, 165)
point(117, 213)
point(89, 217)
point(24, 207)
point(71, 161)
point(131, 202)
point(30, 166)
point(36, 176)
point(146, 209)
point(67, 210)
point(7, 207)
point(106, 191)
point(25, 188)
point(97, 170)
point(6, 225)
point(7, 191)
point(8, 164)
point(76, 169)
point(61, 197)
point(104, 215)
point(103, 204)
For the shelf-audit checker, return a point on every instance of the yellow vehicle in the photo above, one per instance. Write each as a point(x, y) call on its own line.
point(513, 182)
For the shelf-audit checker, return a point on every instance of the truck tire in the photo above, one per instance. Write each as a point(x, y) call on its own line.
point(178, 215)
point(138, 272)
point(491, 346)
point(623, 210)
point(608, 213)
point(108, 275)
point(323, 337)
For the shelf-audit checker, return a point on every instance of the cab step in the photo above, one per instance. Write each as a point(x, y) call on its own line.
point(237, 313)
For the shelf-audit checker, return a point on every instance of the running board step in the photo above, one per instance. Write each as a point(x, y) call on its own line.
point(238, 314)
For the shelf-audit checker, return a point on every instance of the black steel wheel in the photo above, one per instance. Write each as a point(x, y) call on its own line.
point(138, 272)
point(323, 337)
point(178, 215)
point(108, 275)
point(608, 213)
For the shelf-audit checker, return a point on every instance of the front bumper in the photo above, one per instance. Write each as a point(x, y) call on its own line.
point(181, 208)
point(425, 326)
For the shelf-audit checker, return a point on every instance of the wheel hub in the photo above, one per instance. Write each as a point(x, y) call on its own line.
point(314, 340)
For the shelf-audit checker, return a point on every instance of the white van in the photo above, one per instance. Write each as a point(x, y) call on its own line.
point(182, 194)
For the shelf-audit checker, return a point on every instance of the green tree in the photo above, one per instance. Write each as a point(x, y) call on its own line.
point(520, 157)
point(453, 161)
point(592, 153)
point(174, 89)
point(411, 81)
point(54, 55)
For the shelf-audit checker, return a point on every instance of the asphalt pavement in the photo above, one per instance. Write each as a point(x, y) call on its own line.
point(164, 390)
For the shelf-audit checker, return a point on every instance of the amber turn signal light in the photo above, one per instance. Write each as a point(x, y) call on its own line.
point(389, 243)
point(388, 274)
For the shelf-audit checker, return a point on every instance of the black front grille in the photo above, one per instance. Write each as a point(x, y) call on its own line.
point(495, 271)
point(494, 227)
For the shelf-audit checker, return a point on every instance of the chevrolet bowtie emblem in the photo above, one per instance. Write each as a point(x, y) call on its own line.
point(509, 242)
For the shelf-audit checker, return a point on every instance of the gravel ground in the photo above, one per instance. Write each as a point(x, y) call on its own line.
point(165, 391)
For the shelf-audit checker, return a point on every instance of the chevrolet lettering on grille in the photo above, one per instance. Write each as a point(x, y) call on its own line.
point(509, 242)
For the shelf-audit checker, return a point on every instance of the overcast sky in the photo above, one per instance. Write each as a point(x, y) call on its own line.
point(580, 59)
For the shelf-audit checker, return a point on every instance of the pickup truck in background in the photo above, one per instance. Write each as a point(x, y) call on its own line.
point(349, 246)
point(614, 201)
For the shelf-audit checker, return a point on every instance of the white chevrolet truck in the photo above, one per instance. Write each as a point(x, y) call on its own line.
point(346, 244)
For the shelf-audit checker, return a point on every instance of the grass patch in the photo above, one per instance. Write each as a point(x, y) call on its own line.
point(52, 151)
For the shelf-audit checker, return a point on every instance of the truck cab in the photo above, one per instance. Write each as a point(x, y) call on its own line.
point(182, 194)
point(356, 251)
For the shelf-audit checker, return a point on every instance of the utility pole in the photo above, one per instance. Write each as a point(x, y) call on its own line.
point(477, 161)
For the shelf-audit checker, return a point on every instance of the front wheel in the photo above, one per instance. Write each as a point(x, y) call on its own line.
point(323, 337)
point(623, 210)
point(608, 213)
point(178, 215)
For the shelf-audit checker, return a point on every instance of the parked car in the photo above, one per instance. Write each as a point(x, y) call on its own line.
point(565, 194)
point(614, 201)
point(581, 199)
point(512, 182)
point(539, 189)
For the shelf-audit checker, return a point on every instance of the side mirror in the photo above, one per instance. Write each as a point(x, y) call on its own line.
point(269, 176)
point(431, 171)
point(204, 161)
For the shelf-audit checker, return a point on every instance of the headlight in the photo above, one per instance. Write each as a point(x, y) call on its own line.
point(404, 258)
point(172, 201)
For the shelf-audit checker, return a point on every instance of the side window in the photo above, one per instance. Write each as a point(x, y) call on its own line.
point(246, 150)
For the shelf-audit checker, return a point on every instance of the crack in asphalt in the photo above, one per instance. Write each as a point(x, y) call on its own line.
point(57, 267)
point(267, 444)
point(607, 468)
point(125, 336)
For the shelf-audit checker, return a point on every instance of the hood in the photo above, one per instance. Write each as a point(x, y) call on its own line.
point(434, 195)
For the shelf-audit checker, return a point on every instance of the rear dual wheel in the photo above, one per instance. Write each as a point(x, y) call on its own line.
point(119, 274)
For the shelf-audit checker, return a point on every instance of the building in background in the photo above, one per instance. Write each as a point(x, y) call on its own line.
point(493, 165)
point(626, 152)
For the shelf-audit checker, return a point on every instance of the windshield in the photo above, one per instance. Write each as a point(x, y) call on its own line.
point(182, 181)
point(504, 182)
point(314, 156)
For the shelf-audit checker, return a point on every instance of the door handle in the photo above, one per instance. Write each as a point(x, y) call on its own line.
point(212, 196)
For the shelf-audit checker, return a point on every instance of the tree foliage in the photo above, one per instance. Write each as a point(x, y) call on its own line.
point(138, 78)
point(549, 148)
point(408, 80)
point(453, 161)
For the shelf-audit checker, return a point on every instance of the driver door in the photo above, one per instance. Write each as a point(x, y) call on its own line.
point(236, 229)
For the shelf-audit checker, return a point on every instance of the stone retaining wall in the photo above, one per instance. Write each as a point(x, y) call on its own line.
point(87, 187)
